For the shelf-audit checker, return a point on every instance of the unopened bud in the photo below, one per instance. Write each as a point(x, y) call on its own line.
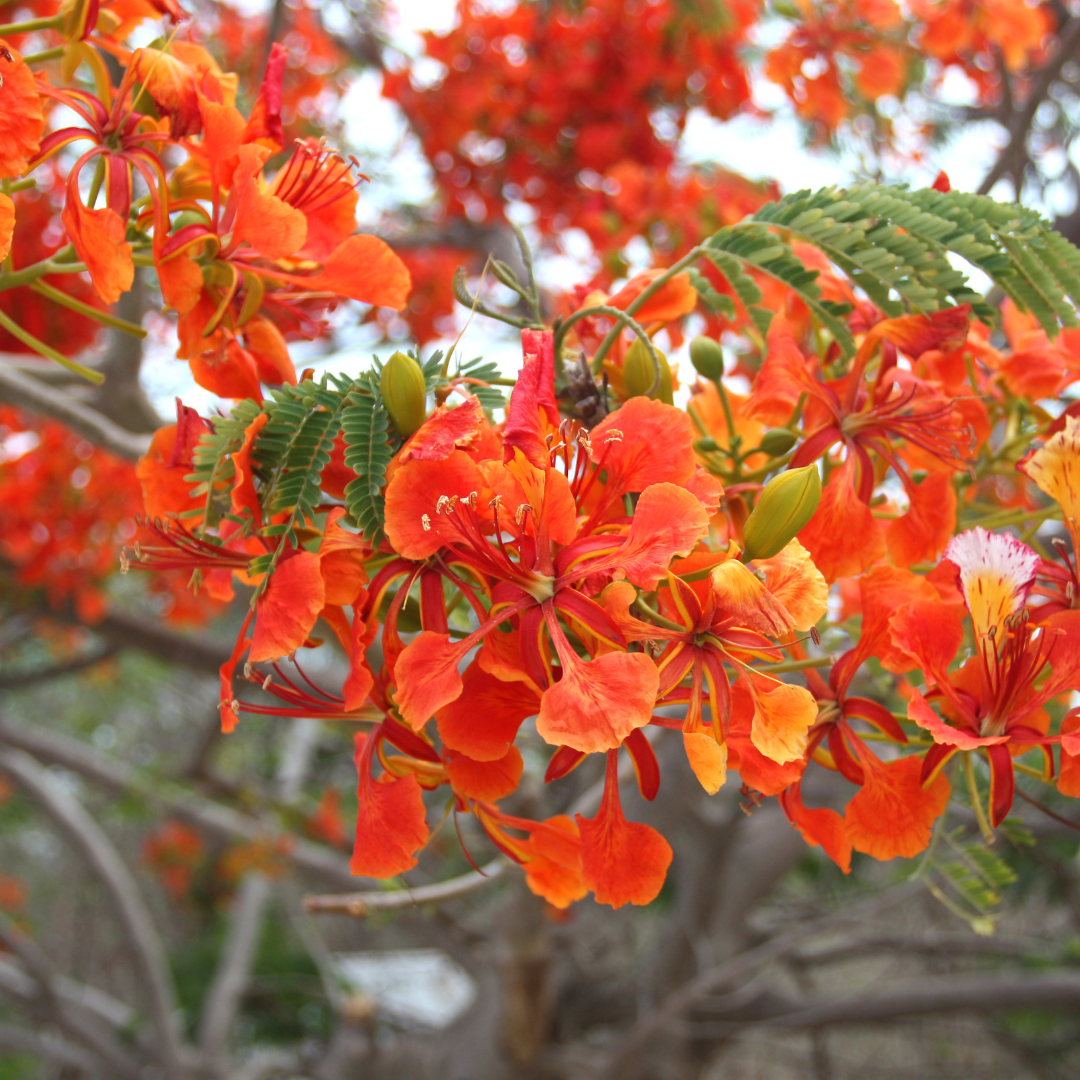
point(706, 444)
point(777, 441)
point(707, 357)
point(786, 504)
point(639, 373)
point(404, 392)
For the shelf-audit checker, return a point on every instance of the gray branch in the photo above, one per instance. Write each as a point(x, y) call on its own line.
point(29, 393)
point(87, 836)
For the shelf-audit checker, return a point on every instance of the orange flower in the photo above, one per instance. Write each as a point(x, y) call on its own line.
point(7, 224)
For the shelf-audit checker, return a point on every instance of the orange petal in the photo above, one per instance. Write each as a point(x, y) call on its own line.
point(622, 862)
point(416, 526)
point(232, 375)
point(22, 119)
point(7, 224)
point(532, 413)
point(267, 346)
point(668, 521)
point(287, 610)
point(98, 237)
point(922, 533)
point(170, 83)
point(743, 597)
point(782, 380)
point(755, 769)
point(444, 431)
point(892, 814)
point(819, 826)
point(927, 634)
point(487, 781)
point(643, 443)
point(360, 680)
point(915, 334)
point(797, 584)
point(597, 703)
point(244, 501)
point(364, 268)
point(674, 299)
point(554, 869)
point(483, 722)
point(269, 224)
point(391, 822)
point(1068, 781)
point(707, 758)
point(426, 676)
point(164, 489)
point(341, 556)
point(843, 537)
point(181, 282)
point(783, 714)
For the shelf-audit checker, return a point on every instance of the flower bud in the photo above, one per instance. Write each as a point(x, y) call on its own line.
point(404, 393)
point(707, 357)
point(706, 444)
point(639, 374)
point(786, 504)
point(777, 441)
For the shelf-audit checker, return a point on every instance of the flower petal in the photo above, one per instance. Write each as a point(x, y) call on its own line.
point(287, 610)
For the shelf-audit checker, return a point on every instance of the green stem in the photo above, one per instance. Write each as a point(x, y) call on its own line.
point(1016, 517)
point(103, 317)
point(16, 331)
point(798, 665)
point(976, 801)
point(28, 27)
point(657, 618)
point(95, 184)
point(45, 54)
point(30, 274)
point(647, 294)
point(623, 318)
point(26, 183)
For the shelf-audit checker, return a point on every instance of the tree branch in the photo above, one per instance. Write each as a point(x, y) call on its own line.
point(48, 1047)
point(219, 820)
point(1020, 124)
point(28, 393)
point(363, 903)
point(29, 678)
point(76, 1024)
point(142, 937)
point(947, 993)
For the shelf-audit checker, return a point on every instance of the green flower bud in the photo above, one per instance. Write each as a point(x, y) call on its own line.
point(639, 373)
point(707, 357)
point(706, 444)
point(403, 390)
point(786, 504)
point(777, 441)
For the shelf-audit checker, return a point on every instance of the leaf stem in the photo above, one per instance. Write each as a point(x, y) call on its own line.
point(28, 339)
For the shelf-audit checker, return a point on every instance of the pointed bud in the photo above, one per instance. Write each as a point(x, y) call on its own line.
point(777, 441)
point(639, 374)
point(786, 504)
point(404, 392)
point(707, 357)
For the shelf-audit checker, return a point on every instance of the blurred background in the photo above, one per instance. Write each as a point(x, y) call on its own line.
point(138, 843)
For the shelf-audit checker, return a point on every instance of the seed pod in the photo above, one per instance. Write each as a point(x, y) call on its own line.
point(777, 441)
point(787, 503)
point(403, 390)
point(707, 357)
point(639, 374)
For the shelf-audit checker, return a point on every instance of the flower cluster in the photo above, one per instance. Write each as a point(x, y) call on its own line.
point(593, 586)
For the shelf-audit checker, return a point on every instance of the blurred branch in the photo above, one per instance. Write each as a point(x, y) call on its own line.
point(141, 936)
point(219, 820)
point(15, 682)
point(48, 1047)
point(946, 993)
point(221, 1006)
point(76, 1025)
point(1019, 124)
point(363, 903)
point(743, 964)
point(28, 393)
